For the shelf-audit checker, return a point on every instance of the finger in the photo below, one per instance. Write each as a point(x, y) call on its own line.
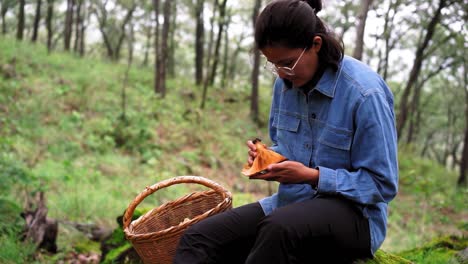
point(250, 160)
point(251, 145)
point(252, 154)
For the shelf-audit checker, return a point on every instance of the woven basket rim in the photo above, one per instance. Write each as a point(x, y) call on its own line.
point(176, 229)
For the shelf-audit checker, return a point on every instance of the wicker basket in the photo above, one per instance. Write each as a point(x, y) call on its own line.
point(155, 235)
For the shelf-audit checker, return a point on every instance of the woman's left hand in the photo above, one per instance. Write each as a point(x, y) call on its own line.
point(289, 172)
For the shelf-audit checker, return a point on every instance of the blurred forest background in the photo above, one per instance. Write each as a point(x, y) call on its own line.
point(100, 98)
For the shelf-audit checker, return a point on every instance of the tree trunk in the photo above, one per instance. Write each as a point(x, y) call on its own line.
point(464, 159)
point(78, 24)
point(37, 19)
point(417, 64)
point(172, 46)
point(68, 29)
point(130, 43)
point(211, 38)
point(20, 28)
point(157, 49)
point(126, 20)
point(365, 5)
point(40, 230)
point(3, 11)
point(50, 14)
point(210, 81)
point(199, 42)
point(164, 47)
point(225, 55)
point(102, 21)
point(149, 36)
point(255, 71)
point(83, 26)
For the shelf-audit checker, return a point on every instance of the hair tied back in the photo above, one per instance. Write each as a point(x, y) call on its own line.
point(315, 4)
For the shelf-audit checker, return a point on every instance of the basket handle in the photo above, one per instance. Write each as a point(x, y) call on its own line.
point(166, 183)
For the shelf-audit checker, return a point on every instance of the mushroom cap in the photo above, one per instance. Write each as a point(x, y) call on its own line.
point(265, 157)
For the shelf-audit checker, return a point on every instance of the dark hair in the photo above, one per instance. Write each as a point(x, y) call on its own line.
point(294, 24)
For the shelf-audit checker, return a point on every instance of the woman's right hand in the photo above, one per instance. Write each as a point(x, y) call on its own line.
point(252, 152)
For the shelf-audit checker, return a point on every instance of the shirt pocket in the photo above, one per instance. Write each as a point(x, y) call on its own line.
point(286, 122)
point(334, 147)
point(287, 129)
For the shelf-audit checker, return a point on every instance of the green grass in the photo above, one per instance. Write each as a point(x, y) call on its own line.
point(61, 131)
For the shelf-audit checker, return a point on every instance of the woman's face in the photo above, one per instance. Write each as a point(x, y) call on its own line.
point(305, 65)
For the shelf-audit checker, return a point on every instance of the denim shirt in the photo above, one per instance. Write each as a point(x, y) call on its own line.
point(345, 127)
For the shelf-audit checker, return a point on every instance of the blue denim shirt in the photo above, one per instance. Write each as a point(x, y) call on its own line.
point(345, 127)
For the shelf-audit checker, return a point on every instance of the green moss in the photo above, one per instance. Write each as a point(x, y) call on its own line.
point(382, 257)
point(86, 246)
point(115, 253)
point(440, 250)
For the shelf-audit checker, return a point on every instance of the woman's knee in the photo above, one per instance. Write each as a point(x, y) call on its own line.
point(276, 227)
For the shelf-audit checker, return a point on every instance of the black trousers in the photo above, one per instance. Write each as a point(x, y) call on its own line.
point(321, 230)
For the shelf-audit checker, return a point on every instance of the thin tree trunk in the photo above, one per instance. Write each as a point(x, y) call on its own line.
point(255, 71)
point(130, 43)
point(358, 50)
point(82, 48)
point(417, 64)
point(102, 21)
point(199, 42)
point(464, 159)
point(78, 23)
point(50, 15)
point(210, 81)
point(37, 19)
point(172, 46)
point(211, 39)
point(157, 50)
point(126, 20)
point(225, 56)
point(68, 24)
point(20, 28)
point(149, 36)
point(164, 47)
point(4, 10)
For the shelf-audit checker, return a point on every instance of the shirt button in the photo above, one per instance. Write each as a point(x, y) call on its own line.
point(313, 115)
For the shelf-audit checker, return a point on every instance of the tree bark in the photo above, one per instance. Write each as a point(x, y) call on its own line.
point(415, 70)
point(211, 38)
point(358, 50)
point(172, 46)
point(164, 48)
point(3, 12)
point(210, 81)
point(149, 37)
point(78, 24)
point(20, 28)
point(82, 48)
point(37, 19)
point(50, 14)
point(464, 159)
point(157, 50)
point(68, 29)
point(40, 230)
point(127, 19)
point(255, 71)
point(225, 54)
point(199, 42)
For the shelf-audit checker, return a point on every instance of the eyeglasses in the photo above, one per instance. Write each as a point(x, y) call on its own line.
point(288, 71)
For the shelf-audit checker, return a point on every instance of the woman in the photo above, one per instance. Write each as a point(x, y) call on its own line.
point(333, 118)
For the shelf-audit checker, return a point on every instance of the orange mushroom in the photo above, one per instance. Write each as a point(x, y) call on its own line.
point(264, 158)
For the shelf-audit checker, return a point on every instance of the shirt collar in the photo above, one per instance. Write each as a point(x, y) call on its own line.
point(327, 84)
